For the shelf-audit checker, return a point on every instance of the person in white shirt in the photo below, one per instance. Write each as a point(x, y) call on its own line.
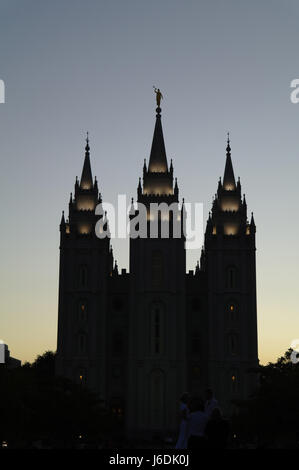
point(211, 402)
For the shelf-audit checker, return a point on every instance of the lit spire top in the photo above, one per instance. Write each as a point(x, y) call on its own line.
point(158, 159)
point(86, 177)
point(229, 182)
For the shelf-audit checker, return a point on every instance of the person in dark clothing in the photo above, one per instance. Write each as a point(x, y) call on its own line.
point(196, 424)
point(217, 430)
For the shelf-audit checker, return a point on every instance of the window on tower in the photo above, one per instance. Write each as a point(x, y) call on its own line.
point(234, 381)
point(231, 278)
point(232, 344)
point(83, 276)
point(156, 330)
point(232, 312)
point(81, 377)
point(82, 312)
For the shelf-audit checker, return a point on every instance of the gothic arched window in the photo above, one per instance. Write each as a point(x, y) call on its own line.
point(232, 344)
point(231, 277)
point(232, 311)
point(156, 330)
point(234, 381)
point(83, 276)
point(81, 376)
point(82, 310)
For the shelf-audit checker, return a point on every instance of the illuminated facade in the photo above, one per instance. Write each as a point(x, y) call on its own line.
point(140, 339)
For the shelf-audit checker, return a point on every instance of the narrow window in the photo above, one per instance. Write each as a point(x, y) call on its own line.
point(232, 312)
point(82, 311)
point(231, 278)
point(83, 276)
point(234, 381)
point(156, 330)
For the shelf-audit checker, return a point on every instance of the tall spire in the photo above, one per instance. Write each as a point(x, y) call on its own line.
point(158, 159)
point(229, 182)
point(86, 177)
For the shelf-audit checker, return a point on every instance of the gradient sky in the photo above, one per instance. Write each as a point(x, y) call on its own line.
point(71, 66)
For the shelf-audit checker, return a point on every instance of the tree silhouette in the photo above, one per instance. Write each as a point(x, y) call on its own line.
point(37, 405)
point(271, 416)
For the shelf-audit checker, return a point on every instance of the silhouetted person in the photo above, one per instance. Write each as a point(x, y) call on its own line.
point(196, 424)
point(184, 415)
point(211, 402)
point(217, 430)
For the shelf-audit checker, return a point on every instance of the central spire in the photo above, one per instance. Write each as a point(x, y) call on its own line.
point(158, 159)
point(86, 181)
point(229, 182)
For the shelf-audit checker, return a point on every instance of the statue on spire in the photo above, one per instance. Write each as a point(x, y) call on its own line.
point(159, 95)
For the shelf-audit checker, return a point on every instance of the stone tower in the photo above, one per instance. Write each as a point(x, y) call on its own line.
point(229, 264)
point(85, 264)
point(157, 356)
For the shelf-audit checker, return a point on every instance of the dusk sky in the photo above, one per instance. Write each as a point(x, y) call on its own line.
point(71, 66)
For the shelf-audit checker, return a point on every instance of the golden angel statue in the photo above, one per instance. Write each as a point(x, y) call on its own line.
point(159, 95)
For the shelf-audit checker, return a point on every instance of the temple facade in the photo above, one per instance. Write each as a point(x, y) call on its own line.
point(141, 338)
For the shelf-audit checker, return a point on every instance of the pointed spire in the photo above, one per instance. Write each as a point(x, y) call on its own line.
point(158, 159)
point(229, 182)
point(176, 188)
point(115, 269)
point(62, 223)
point(132, 208)
point(86, 177)
point(139, 189)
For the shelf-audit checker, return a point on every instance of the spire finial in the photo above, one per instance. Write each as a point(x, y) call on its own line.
point(87, 141)
point(228, 143)
point(86, 181)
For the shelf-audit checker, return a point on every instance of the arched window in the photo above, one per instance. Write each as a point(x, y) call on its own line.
point(81, 376)
point(234, 381)
point(232, 311)
point(231, 278)
point(157, 269)
point(156, 330)
point(83, 276)
point(82, 311)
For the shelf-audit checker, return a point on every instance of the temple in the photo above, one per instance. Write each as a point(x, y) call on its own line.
point(141, 338)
